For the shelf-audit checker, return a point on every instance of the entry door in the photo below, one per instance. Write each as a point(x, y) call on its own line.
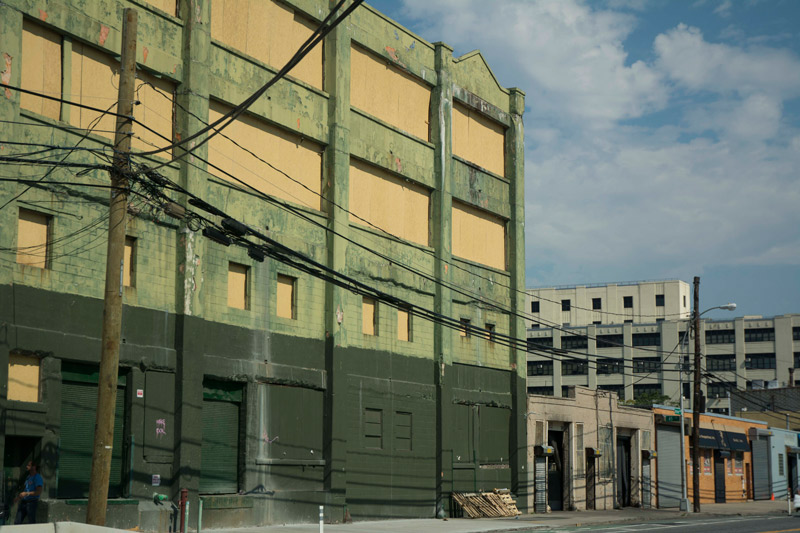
point(646, 484)
point(719, 477)
point(624, 471)
point(555, 471)
point(590, 483)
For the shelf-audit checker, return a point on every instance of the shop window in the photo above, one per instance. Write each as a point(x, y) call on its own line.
point(33, 236)
point(404, 324)
point(369, 316)
point(129, 263)
point(237, 285)
point(286, 304)
point(23, 378)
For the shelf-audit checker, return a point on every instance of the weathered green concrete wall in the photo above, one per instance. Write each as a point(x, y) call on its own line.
point(461, 399)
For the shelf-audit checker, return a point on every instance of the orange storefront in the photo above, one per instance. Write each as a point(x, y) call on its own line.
point(725, 457)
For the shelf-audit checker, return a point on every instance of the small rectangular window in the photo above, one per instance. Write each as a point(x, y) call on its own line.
point(33, 235)
point(565, 305)
point(627, 302)
point(659, 300)
point(535, 306)
point(597, 322)
point(597, 304)
point(129, 262)
point(402, 431)
point(237, 285)
point(23, 378)
point(373, 428)
point(286, 307)
point(466, 328)
point(369, 316)
point(403, 324)
point(780, 465)
point(490, 333)
point(628, 321)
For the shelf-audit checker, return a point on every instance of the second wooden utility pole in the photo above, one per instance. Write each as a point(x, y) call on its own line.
point(696, 403)
point(112, 309)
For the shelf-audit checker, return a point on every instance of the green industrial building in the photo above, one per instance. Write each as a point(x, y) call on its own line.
point(263, 390)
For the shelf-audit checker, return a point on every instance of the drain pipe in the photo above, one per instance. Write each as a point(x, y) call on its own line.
point(321, 518)
point(200, 515)
point(184, 509)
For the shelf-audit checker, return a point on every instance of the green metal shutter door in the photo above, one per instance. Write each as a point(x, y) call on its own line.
point(219, 458)
point(78, 412)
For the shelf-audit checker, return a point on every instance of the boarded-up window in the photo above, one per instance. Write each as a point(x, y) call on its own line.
point(605, 439)
point(369, 316)
point(389, 94)
point(33, 233)
point(389, 203)
point(268, 31)
point(373, 428)
point(237, 286)
point(298, 157)
point(478, 139)
point(403, 324)
point(402, 431)
point(286, 302)
point(466, 328)
point(41, 69)
point(23, 378)
point(478, 236)
point(95, 82)
point(129, 262)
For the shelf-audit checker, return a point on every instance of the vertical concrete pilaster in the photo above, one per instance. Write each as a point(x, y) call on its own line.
point(627, 361)
point(192, 97)
point(441, 233)
point(741, 372)
point(339, 303)
point(515, 172)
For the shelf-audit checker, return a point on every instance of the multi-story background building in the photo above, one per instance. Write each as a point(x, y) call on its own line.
point(262, 389)
point(638, 353)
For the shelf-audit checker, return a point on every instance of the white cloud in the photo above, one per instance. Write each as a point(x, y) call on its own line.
point(688, 59)
point(724, 9)
point(711, 180)
point(570, 57)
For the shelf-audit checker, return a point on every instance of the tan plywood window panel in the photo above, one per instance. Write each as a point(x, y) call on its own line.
point(268, 31)
point(403, 325)
point(237, 286)
point(95, 82)
point(478, 139)
point(129, 263)
point(41, 69)
point(478, 236)
point(33, 233)
point(389, 93)
point(168, 6)
point(23, 378)
point(392, 204)
point(286, 297)
point(299, 158)
point(369, 316)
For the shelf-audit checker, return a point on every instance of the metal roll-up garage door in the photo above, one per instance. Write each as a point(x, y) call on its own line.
point(219, 453)
point(668, 442)
point(761, 468)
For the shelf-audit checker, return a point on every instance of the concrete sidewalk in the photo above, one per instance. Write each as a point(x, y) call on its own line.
point(526, 523)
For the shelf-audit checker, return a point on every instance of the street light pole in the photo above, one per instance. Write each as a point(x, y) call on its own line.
point(696, 401)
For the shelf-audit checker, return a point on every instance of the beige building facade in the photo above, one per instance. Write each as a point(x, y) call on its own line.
point(588, 452)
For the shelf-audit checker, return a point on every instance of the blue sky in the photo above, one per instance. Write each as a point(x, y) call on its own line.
point(662, 136)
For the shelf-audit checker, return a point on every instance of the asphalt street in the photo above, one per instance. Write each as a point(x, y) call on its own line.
point(730, 524)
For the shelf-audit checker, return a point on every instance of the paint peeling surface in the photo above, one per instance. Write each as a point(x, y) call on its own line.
point(42, 15)
point(6, 75)
point(103, 34)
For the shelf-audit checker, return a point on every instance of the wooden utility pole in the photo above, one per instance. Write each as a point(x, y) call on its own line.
point(696, 401)
point(112, 309)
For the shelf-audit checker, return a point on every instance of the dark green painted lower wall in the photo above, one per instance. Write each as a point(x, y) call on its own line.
point(355, 430)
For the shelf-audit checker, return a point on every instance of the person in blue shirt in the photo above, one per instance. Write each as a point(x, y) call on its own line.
point(29, 498)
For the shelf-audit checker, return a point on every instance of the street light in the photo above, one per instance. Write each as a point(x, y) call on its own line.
point(696, 394)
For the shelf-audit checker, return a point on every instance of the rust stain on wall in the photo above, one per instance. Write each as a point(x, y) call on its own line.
point(145, 51)
point(103, 34)
point(42, 14)
point(6, 75)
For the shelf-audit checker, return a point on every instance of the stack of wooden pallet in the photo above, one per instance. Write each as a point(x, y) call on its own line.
point(495, 504)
